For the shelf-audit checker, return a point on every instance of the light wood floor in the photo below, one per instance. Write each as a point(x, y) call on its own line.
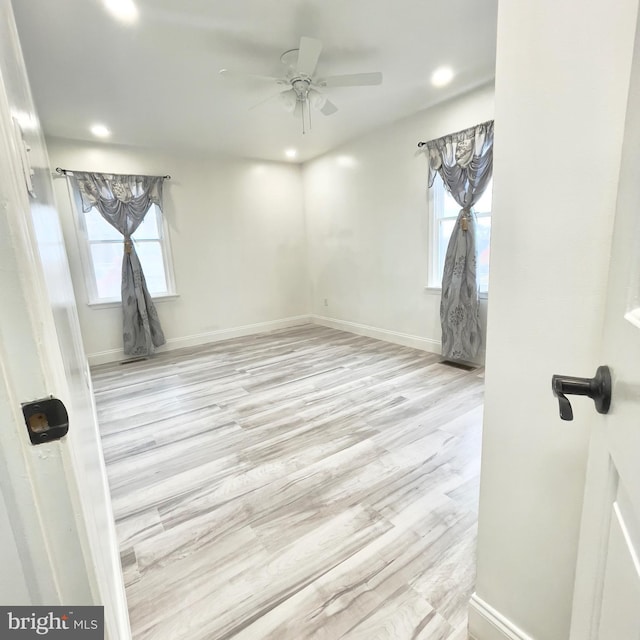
point(306, 483)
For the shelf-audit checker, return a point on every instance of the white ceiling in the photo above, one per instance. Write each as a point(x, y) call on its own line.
point(155, 83)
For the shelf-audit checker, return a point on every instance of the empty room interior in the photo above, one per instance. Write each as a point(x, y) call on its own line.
point(283, 262)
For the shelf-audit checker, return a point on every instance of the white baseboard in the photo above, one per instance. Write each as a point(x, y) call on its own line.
point(102, 357)
point(404, 339)
point(117, 355)
point(485, 623)
point(395, 337)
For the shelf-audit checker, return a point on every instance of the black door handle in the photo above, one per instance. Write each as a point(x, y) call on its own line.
point(598, 388)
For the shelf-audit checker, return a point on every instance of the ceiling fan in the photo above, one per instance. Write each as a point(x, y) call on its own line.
point(303, 86)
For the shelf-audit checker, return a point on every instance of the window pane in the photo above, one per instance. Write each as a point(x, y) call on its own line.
point(484, 204)
point(107, 265)
point(451, 207)
point(150, 254)
point(446, 206)
point(98, 228)
point(148, 229)
point(483, 236)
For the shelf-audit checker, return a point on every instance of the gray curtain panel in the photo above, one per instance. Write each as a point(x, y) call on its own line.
point(123, 201)
point(464, 160)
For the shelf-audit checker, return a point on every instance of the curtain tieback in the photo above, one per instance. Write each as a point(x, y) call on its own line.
point(128, 245)
point(464, 218)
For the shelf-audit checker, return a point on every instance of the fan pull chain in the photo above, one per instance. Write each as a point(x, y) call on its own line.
point(303, 121)
point(306, 119)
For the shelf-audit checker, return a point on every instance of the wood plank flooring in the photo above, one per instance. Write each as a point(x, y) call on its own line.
point(305, 483)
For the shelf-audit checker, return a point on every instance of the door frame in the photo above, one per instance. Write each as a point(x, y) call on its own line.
point(61, 553)
point(43, 537)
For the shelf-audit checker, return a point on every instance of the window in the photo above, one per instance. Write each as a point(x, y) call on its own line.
point(103, 249)
point(444, 211)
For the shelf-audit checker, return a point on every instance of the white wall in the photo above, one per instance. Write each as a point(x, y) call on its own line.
point(561, 84)
point(238, 243)
point(249, 258)
point(367, 221)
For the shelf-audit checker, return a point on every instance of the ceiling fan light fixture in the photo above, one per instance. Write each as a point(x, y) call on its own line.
point(316, 99)
point(289, 100)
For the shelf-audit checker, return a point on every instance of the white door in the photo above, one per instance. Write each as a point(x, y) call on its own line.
point(58, 532)
point(607, 592)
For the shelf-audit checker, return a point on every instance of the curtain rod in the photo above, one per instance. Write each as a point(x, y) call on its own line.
point(424, 144)
point(66, 172)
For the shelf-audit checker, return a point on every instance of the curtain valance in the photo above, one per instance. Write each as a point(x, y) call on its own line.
point(123, 200)
point(466, 150)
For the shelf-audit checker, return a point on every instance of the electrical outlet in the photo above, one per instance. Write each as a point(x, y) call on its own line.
point(326, 302)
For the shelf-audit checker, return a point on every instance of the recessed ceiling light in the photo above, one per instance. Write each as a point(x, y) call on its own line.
point(124, 10)
point(442, 76)
point(100, 131)
point(291, 153)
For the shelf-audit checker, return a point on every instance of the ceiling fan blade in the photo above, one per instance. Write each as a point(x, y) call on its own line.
point(352, 80)
point(329, 108)
point(308, 55)
point(267, 99)
point(235, 75)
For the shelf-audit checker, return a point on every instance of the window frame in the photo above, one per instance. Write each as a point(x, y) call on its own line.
point(436, 204)
point(88, 269)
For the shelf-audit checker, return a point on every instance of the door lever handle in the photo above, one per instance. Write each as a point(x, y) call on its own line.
point(597, 388)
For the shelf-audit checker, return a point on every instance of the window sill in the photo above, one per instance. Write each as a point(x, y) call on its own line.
point(116, 304)
point(436, 291)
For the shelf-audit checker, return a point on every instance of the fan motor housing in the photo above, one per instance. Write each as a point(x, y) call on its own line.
point(301, 86)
